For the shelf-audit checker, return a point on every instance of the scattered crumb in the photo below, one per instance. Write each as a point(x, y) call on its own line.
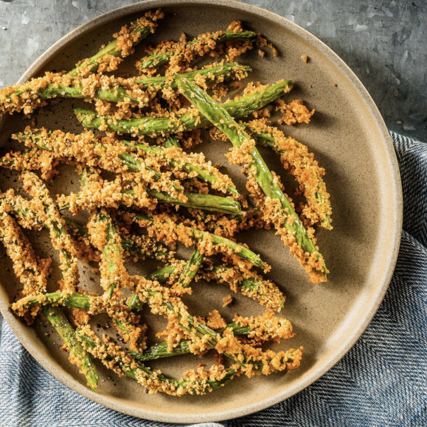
point(227, 300)
point(4, 28)
point(304, 58)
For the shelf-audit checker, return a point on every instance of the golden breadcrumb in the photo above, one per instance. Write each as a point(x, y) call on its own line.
point(294, 112)
point(227, 300)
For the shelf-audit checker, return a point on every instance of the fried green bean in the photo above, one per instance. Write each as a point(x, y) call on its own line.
point(207, 41)
point(289, 225)
point(152, 380)
point(242, 107)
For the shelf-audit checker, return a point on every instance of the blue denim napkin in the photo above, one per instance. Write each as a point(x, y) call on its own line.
point(382, 381)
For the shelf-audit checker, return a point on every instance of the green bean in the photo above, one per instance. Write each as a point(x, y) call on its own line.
point(219, 117)
point(191, 268)
point(162, 58)
point(165, 125)
point(141, 28)
point(199, 235)
point(150, 378)
point(68, 334)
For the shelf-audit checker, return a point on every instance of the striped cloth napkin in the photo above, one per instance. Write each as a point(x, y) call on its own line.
point(382, 381)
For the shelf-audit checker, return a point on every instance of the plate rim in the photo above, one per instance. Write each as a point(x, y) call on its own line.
point(106, 401)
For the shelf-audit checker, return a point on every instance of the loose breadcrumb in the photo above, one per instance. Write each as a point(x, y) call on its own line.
point(227, 300)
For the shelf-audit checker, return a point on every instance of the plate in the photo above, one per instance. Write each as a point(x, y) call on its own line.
point(348, 138)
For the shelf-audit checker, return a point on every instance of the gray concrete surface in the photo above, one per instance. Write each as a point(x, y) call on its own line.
point(384, 42)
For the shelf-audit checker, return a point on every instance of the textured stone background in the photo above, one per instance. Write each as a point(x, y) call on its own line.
point(384, 42)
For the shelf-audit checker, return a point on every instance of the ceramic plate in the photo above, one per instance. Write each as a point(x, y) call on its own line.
point(348, 138)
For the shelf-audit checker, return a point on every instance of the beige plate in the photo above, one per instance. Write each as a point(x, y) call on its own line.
point(350, 141)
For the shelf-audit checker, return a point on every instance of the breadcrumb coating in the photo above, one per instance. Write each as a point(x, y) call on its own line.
point(196, 382)
point(125, 39)
point(128, 35)
point(33, 94)
point(253, 361)
point(25, 211)
point(296, 158)
point(293, 112)
point(84, 250)
point(125, 320)
point(31, 271)
point(104, 237)
point(61, 240)
point(247, 283)
point(32, 160)
point(215, 321)
point(154, 167)
point(181, 53)
point(266, 327)
point(110, 194)
point(273, 209)
point(164, 228)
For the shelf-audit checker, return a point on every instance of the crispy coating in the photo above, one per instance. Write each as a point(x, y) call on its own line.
point(61, 240)
point(247, 283)
point(125, 40)
point(266, 327)
point(121, 315)
point(293, 112)
point(32, 160)
point(165, 228)
point(25, 211)
point(33, 94)
point(196, 382)
point(128, 34)
point(152, 169)
point(31, 271)
point(24, 98)
point(254, 361)
point(184, 52)
point(296, 158)
point(84, 250)
point(215, 321)
point(104, 237)
point(111, 194)
point(274, 213)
